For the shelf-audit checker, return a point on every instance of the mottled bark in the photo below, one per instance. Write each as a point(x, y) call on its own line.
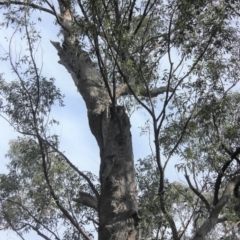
point(118, 201)
point(117, 207)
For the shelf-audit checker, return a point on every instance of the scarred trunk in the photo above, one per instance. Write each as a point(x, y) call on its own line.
point(117, 204)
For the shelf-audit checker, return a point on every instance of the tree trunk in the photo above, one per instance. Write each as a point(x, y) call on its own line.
point(110, 125)
point(117, 205)
point(118, 201)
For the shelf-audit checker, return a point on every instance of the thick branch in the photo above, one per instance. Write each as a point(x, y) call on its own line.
point(85, 76)
point(224, 168)
point(213, 217)
point(219, 180)
point(123, 90)
point(155, 91)
point(228, 191)
point(87, 200)
point(32, 5)
point(233, 155)
point(223, 219)
point(89, 83)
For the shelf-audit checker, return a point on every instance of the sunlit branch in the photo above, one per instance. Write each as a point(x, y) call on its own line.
point(228, 191)
point(122, 90)
point(87, 200)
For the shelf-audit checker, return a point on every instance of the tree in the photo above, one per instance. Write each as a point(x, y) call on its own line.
point(113, 51)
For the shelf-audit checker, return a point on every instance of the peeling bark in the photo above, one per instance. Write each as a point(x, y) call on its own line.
point(117, 207)
point(118, 201)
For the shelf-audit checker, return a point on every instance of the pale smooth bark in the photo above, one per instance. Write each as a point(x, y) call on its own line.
point(213, 218)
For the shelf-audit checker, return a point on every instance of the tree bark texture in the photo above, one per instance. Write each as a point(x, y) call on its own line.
point(118, 201)
point(117, 205)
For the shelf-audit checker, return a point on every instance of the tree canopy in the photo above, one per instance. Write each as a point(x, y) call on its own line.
point(178, 61)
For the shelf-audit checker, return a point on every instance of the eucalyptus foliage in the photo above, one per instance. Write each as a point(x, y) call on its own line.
point(122, 55)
